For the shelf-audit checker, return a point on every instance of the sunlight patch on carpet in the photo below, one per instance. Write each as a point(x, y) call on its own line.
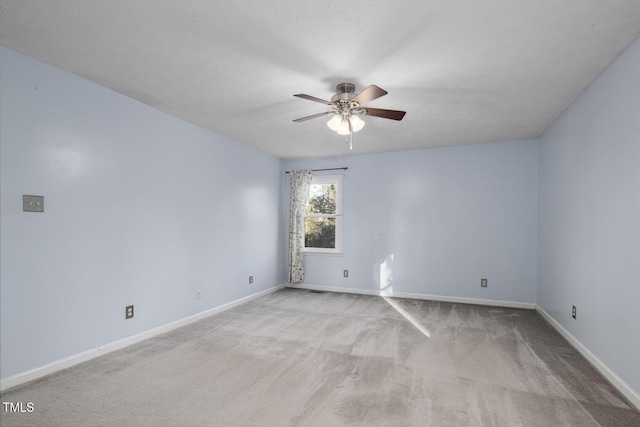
point(408, 316)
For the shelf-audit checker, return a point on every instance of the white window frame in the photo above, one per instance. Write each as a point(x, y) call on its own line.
point(325, 179)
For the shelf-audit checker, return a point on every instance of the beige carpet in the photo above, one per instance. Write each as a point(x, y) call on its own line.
point(298, 358)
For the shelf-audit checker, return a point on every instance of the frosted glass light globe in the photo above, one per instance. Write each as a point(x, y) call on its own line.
point(334, 122)
point(356, 123)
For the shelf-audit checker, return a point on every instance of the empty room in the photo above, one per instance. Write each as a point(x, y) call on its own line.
point(296, 213)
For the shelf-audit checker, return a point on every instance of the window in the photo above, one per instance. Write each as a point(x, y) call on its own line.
point(323, 215)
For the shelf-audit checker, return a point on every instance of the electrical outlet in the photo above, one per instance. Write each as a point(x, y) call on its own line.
point(32, 203)
point(250, 279)
point(484, 283)
point(198, 293)
point(574, 311)
point(345, 273)
point(128, 312)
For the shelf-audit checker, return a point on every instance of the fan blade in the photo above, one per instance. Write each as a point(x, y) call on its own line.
point(369, 94)
point(312, 98)
point(302, 119)
point(385, 114)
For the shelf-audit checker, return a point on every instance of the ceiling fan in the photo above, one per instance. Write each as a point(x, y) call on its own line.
point(346, 107)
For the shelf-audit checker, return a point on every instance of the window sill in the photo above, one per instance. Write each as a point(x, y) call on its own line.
point(314, 253)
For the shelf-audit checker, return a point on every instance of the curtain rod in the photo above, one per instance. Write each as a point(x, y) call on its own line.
point(328, 169)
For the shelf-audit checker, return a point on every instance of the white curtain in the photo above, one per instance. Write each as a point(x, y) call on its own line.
point(300, 183)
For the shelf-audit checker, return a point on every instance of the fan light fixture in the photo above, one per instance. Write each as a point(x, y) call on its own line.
point(344, 124)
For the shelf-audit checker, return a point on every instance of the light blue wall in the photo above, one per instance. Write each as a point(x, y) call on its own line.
point(140, 208)
point(436, 221)
point(589, 241)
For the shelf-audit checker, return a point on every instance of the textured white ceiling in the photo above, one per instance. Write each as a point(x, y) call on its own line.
point(466, 71)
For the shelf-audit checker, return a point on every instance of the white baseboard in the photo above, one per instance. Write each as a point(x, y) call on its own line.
point(444, 298)
point(615, 380)
point(75, 359)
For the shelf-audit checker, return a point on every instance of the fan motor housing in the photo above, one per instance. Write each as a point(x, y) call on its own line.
point(344, 93)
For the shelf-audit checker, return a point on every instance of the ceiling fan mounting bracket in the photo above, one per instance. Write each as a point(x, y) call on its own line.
point(346, 87)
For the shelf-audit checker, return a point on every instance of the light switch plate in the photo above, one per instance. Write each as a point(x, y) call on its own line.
point(32, 203)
